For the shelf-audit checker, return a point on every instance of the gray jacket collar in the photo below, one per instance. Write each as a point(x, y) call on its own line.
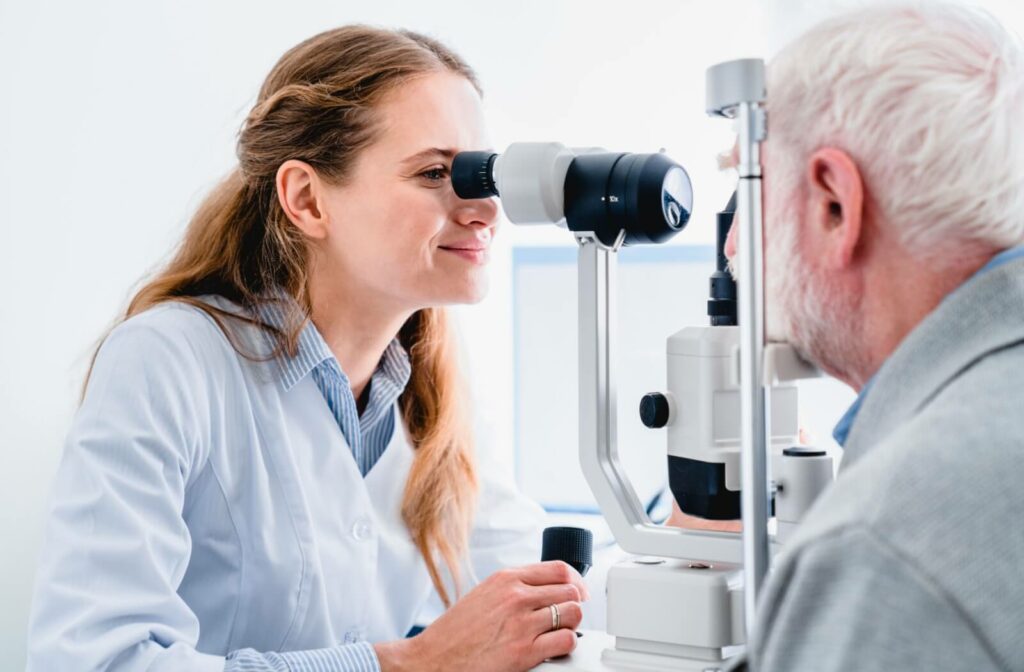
point(983, 315)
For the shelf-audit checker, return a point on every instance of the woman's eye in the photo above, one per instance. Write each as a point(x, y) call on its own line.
point(435, 174)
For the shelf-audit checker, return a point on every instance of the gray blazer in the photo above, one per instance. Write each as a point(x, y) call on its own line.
point(914, 558)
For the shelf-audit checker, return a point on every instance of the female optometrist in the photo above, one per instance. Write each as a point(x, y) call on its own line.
point(271, 468)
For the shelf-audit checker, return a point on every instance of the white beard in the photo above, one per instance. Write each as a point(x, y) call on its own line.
point(821, 321)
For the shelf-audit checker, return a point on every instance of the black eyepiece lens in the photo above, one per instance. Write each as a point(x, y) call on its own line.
point(473, 174)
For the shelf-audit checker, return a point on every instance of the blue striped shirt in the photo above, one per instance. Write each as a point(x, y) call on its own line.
point(357, 657)
point(367, 436)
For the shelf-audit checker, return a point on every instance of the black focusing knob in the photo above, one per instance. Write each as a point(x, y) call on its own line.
point(473, 175)
point(654, 410)
point(572, 545)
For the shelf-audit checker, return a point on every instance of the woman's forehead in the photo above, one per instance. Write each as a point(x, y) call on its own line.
point(440, 110)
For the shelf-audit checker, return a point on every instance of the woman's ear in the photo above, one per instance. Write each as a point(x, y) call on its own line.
point(299, 191)
point(835, 207)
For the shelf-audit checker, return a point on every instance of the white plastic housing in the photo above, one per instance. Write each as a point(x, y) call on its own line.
point(530, 177)
point(705, 424)
point(800, 480)
point(674, 609)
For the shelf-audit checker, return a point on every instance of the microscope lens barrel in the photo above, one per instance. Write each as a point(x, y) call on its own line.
point(618, 197)
point(648, 196)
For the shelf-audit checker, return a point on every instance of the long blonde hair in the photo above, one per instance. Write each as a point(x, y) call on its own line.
point(317, 105)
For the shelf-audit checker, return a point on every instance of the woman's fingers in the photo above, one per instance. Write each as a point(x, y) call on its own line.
point(555, 593)
point(560, 641)
point(506, 622)
point(570, 615)
point(553, 571)
point(553, 644)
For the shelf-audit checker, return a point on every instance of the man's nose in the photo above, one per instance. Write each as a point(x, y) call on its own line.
point(731, 239)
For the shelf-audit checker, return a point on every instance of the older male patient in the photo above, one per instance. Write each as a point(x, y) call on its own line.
point(894, 197)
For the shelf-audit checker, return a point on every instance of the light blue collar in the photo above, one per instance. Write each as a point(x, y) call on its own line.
point(1004, 257)
point(314, 351)
point(845, 424)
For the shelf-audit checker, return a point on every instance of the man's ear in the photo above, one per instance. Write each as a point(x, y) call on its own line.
point(299, 190)
point(835, 206)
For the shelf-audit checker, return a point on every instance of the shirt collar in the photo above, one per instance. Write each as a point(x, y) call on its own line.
point(1003, 257)
point(394, 368)
point(387, 384)
point(312, 349)
point(845, 424)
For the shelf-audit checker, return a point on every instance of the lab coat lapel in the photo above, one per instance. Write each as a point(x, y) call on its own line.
point(401, 573)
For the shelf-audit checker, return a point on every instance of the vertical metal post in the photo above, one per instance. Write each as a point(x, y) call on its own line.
point(753, 408)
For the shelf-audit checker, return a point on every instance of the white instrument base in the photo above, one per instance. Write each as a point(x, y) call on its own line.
point(595, 653)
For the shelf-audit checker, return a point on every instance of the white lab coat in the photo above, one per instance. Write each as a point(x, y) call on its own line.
point(202, 508)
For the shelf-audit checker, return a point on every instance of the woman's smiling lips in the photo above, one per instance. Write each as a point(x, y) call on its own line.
point(473, 250)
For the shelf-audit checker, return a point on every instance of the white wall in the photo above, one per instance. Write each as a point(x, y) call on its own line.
point(116, 117)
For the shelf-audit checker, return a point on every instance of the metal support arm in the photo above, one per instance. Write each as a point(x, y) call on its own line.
point(599, 455)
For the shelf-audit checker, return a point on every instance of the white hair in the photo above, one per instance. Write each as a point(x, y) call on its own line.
point(926, 97)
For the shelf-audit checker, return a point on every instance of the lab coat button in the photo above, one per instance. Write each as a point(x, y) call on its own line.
point(353, 636)
point(362, 529)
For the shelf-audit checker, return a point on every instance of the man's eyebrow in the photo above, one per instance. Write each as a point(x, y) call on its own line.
point(429, 153)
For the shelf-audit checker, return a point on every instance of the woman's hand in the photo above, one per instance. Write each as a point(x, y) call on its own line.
point(504, 624)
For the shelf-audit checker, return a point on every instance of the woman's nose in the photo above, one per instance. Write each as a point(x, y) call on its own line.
point(482, 211)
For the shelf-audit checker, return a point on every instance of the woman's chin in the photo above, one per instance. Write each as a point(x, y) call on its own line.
point(469, 293)
point(475, 295)
point(451, 289)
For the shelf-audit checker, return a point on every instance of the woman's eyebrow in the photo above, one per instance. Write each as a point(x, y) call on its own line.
point(429, 153)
